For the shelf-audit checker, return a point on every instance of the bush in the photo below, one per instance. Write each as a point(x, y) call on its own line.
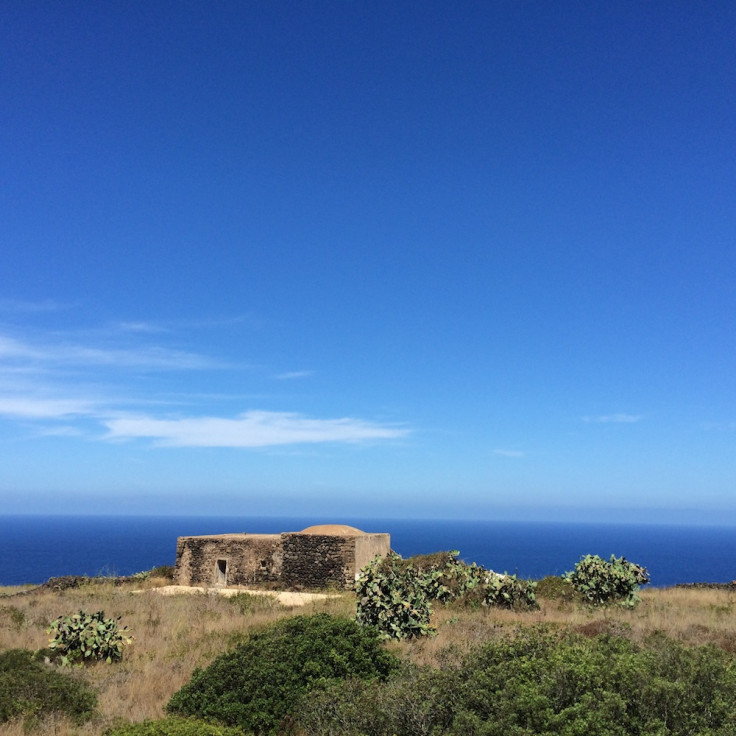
point(173, 727)
point(87, 637)
point(508, 591)
point(541, 681)
point(259, 683)
point(418, 700)
point(555, 587)
point(394, 596)
point(601, 582)
point(32, 690)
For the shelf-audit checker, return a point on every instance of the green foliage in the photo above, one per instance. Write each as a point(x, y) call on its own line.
point(601, 582)
point(509, 591)
point(87, 637)
point(161, 571)
point(417, 700)
point(394, 596)
point(555, 587)
point(174, 727)
point(546, 683)
point(32, 690)
point(259, 683)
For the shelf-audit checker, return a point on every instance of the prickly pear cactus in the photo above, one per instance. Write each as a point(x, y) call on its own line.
point(87, 637)
point(393, 597)
point(509, 591)
point(602, 582)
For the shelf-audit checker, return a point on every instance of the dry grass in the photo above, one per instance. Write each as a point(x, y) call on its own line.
point(690, 616)
point(175, 634)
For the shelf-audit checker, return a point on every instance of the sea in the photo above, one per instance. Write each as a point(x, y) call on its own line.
point(35, 548)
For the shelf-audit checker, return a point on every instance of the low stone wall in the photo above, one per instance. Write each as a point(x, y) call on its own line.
point(711, 586)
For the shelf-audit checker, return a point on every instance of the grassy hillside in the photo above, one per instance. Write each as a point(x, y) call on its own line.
point(176, 634)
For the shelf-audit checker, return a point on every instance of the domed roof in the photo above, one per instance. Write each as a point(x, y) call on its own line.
point(333, 530)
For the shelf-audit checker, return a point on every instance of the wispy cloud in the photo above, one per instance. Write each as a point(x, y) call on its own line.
point(75, 354)
point(60, 431)
point(93, 382)
point(291, 375)
point(142, 327)
point(251, 429)
point(42, 408)
point(19, 306)
point(508, 453)
point(620, 418)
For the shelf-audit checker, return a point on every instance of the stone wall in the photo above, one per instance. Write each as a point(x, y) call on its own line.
point(307, 559)
point(317, 561)
point(228, 559)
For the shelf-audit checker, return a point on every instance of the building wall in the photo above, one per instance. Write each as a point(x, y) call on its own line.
point(294, 558)
point(228, 559)
point(368, 546)
point(317, 561)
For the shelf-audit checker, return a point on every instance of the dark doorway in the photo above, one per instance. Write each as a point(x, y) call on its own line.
point(221, 572)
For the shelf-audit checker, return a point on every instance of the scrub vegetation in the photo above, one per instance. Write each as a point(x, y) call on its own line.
point(564, 666)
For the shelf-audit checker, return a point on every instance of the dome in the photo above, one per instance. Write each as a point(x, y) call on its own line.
point(333, 530)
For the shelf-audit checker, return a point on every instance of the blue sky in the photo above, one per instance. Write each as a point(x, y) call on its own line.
point(369, 259)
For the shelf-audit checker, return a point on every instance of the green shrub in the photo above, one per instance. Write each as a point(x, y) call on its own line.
point(601, 582)
point(555, 587)
point(508, 591)
point(258, 684)
point(31, 690)
point(173, 727)
point(541, 681)
point(418, 700)
point(87, 637)
point(394, 596)
point(459, 580)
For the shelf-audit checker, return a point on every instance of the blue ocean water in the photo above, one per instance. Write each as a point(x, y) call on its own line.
point(34, 548)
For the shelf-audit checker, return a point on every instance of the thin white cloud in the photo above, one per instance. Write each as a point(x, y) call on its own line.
point(74, 354)
point(60, 431)
point(141, 327)
point(508, 453)
point(43, 408)
point(614, 419)
point(19, 306)
point(81, 380)
point(12, 349)
point(291, 375)
point(251, 429)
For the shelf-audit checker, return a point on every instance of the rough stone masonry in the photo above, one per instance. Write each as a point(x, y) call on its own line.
point(316, 557)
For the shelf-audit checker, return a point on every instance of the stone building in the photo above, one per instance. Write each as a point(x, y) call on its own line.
point(315, 557)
